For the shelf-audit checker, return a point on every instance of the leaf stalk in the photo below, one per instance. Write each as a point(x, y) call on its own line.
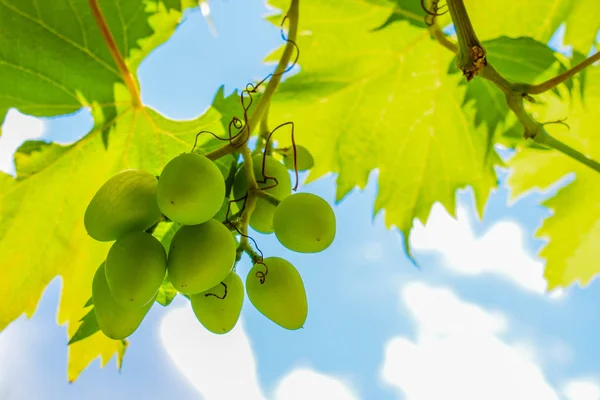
point(116, 54)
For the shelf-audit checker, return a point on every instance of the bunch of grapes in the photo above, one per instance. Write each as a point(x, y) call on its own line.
point(200, 261)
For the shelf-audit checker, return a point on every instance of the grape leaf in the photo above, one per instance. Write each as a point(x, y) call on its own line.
point(53, 59)
point(573, 230)
point(516, 18)
point(519, 60)
point(166, 293)
point(382, 100)
point(583, 23)
point(512, 18)
point(66, 183)
point(89, 326)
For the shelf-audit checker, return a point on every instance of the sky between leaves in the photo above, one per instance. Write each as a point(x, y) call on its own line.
point(364, 99)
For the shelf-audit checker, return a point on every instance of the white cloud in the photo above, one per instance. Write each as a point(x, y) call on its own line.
point(500, 251)
point(18, 372)
point(223, 367)
point(16, 129)
point(218, 366)
point(303, 383)
point(582, 389)
point(458, 353)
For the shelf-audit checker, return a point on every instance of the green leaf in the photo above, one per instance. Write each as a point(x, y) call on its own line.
point(573, 230)
point(537, 19)
point(519, 60)
point(382, 100)
point(53, 59)
point(583, 23)
point(66, 183)
point(409, 11)
point(89, 326)
point(166, 293)
point(34, 155)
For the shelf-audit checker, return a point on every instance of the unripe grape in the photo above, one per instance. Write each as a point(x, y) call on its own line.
point(305, 223)
point(261, 219)
point(200, 256)
point(217, 314)
point(125, 203)
point(304, 159)
point(114, 321)
point(281, 297)
point(191, 189)
point(135, 268)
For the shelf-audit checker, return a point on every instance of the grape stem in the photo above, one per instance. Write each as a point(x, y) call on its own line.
point(245, 247)
point(472, 61)
point(265, 98)
point(269, 197)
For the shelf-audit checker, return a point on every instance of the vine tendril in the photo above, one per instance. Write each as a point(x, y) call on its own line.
point(260, 274)
point(218, 297)
point(433, 12)
point(293, 146)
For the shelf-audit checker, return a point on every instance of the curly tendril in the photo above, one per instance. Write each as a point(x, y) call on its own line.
point(293, 146)
point(260, 274)
point(433, 12)
point(246, 99)
point(218, 297)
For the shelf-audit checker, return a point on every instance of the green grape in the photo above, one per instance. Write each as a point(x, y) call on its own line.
point(305, 223)
point(125, 203)
point(261, 219)
point(191, 189)
point(114, 321)
point(220, 215)
point(304, 159)
point(217, 314)
point(135, 268)
point(200, 256)
point(282, 297)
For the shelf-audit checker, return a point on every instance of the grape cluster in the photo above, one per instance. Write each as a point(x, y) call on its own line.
point(200, 261)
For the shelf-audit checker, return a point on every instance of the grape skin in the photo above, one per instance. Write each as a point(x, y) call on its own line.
point(135, 268)
point(114, 321)
point(191, 189)
point(220, 315)
point(125, 203)
point(200, 256)
point(282, 296)
point(304, 159)
point(304, 223)
point(261, 219)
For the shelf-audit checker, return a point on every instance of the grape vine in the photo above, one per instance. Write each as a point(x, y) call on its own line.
point(201, 260)
point(472, 61)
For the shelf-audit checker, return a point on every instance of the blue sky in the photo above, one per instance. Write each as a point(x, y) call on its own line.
point(474, 322)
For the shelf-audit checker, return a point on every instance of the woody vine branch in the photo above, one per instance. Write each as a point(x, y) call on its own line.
point(472, 61)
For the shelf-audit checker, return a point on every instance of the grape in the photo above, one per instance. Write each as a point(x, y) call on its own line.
point(191, 189)
point(135, 268)
point(114, 321)
point(282, 297)
point(200, 256)
point(304, 159)
point(261, 219)
point(305, 223)
point(219, 315)
point(125, 203)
